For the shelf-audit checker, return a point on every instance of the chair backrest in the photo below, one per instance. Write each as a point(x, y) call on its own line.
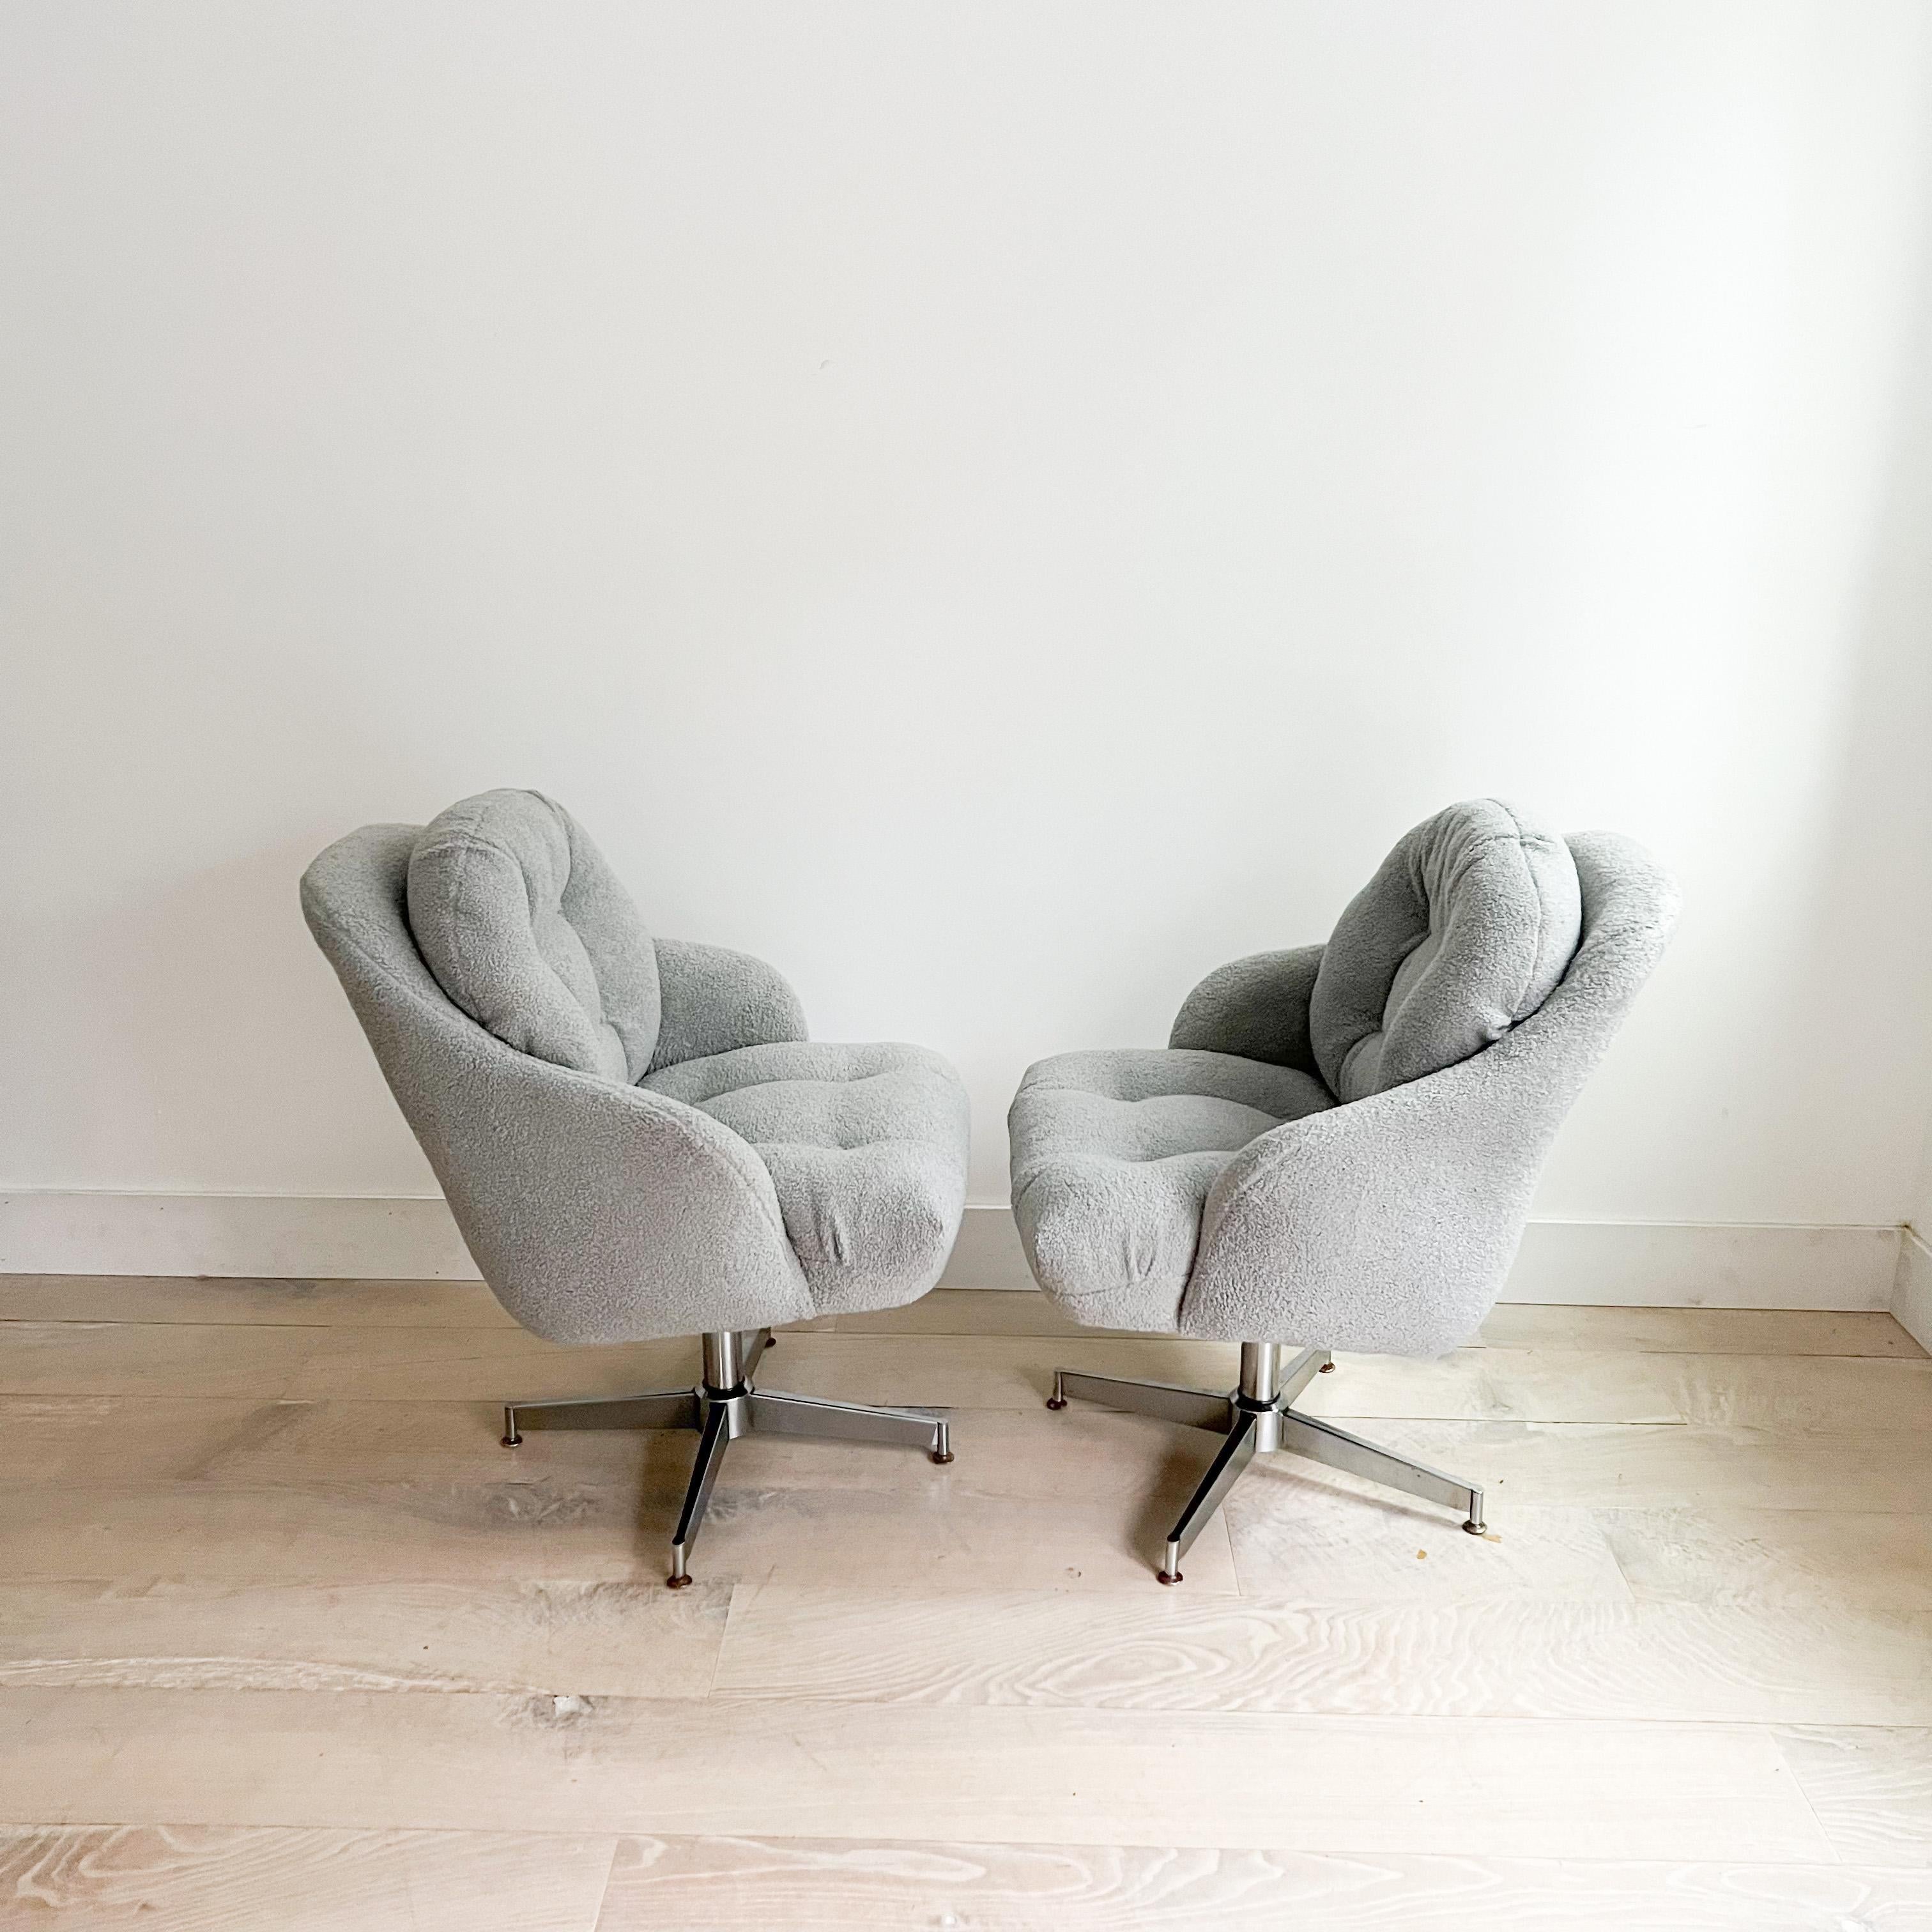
point(1467, 929)
point(529, 930)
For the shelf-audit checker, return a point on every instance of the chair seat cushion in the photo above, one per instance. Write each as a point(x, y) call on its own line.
point(866, 1147)
point(1114, 1154)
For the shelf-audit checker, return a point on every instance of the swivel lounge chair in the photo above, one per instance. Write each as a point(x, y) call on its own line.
point(635, 1136)
point(1339, 1143)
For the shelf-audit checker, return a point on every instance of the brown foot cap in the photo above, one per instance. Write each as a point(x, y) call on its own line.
point(1326, 1368)
point(1056, 1402)
point(511, 1441)
point(942, 1455)
point(678, 1582)
point(1167, 1576)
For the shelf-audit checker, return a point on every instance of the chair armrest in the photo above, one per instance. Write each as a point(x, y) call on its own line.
point(1257, 1007)
point(715, 1000)
point(1386, 1225)
point(599, 1212)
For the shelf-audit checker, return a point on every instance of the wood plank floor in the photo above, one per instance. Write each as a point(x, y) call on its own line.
point(288, 1639)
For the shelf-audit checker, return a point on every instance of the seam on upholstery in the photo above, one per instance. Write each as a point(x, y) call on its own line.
point(823, 1146)
point(1026, 1188)
point(600, 1019)
point(1520, 839)
point(1143, 1162)
point(1348, 1058)
point(466, 845)
point(382, 971)
point(1266, 1163)
point(454, 836)
point(464, 849)
point(1542, 918)
point(563, 884)
point(781, 1080)
point(1481, 841)
point(1263, 1163)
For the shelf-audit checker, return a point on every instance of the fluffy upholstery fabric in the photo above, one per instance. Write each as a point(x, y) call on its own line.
point(864, 1145)
point(529, 932)
point(1114, 1154)
point(601, 1211)
point(715, 1000)
point(1257, 1007)
point(1385, 1224)
point(1463, 933)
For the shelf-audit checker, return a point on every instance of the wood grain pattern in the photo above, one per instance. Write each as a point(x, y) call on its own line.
point(570, 1764)
point(1325, 1540)
point(1799, 1395)
point(61, 1441)
point(1021, 1454)
point(943, 1540)
point(1697, 1331)
point(187, 1878)
point(141, 1358)
point(196, 1298)
point(1735, 1661)
point(806, 1885)
point(1606, 1466)
point(482, 1365)
point(1829, 1558)
point(320, 1362)
point(274, 1599)
point(317, 1363)
point(86, 1440)
point(1871, 1789)
point(617, 1639)
point(959, 1312)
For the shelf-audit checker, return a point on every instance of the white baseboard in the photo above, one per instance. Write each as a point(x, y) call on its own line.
point(1704, 1264)
point(1645, 1264)
point(1911, 1291)
point(1667, 1265)
point(302, 1236)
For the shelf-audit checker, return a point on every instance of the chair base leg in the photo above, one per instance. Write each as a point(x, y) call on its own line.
point(722, 1407)
point(1259, 1417)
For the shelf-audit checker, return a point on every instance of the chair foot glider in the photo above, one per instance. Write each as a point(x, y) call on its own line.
point(1259, 1417)
point(722, 1407)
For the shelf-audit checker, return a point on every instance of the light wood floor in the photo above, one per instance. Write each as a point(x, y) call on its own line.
point(288, 1641)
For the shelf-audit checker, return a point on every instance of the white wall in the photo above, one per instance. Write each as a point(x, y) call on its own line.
point(996, 508)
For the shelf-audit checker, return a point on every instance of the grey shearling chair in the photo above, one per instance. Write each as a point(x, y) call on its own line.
point(1338, 1145)
point(635, 1136)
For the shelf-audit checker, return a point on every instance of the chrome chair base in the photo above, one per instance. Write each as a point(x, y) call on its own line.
point(722, 1407)
point(1257, 1417)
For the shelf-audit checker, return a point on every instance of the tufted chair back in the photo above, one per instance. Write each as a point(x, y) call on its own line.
point(531, 934)
point(1468, 927)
